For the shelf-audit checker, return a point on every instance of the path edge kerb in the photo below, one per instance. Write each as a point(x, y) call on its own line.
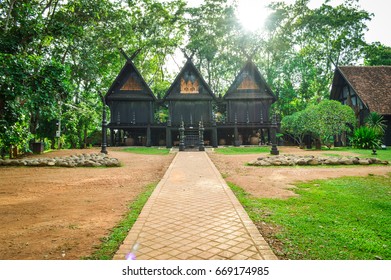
point(137, 227)
point(261, 244)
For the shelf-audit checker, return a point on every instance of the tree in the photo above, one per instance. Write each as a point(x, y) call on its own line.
point(327, 119)
point(213, 32)
point(321, 121)
point(377, 54)
point(56, 56)
point(303, 47)
point(294, 125)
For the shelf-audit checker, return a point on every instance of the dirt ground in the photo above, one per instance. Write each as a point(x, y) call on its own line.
point(277, 182)
point(61, 213)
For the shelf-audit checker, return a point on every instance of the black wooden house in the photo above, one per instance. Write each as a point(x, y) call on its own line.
point(248, 101)
point(190, 101)
point(131, 104)
point(242, 116)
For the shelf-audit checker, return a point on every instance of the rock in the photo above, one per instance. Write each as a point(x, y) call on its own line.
point(264, 163)
point(363, 162)
point(313, 162)
point(301, 161)
point(331, 161)
point(88, 160)
point(34, 163)
point(346, 161)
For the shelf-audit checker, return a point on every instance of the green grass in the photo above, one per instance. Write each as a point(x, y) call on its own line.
point(381, 154)
point(111, 243)
point(242, 150)
point(147, 150)
point(344, 218)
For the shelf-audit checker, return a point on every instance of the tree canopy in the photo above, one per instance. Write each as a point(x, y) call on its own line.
point(57, 55)
point(322, 121)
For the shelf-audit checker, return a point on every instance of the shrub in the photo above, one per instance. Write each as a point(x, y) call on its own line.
point(366, 138)
point(377, 122)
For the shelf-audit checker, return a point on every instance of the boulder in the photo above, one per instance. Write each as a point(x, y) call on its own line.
point(364, 162)
point(313, 162)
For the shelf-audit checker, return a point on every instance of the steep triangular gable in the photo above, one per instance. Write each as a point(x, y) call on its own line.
point(249, 84)
point(129, 85)
point(189, 84)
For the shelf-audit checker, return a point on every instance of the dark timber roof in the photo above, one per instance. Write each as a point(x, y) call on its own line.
point(143, 93)
point(371, 83)
point(249, 84)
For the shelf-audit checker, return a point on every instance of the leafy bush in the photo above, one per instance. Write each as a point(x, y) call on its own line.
point(366, 138)
point(377, 122)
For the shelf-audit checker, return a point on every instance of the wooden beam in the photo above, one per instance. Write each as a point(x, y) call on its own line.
point(135, 53)
point(185, 54)
point(124, 54)
point(132, 56)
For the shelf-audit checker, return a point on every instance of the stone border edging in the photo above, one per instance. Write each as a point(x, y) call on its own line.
point(83, 160)
point(293, 160)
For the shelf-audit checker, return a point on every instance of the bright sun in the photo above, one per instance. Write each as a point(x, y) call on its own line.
point(252, 14)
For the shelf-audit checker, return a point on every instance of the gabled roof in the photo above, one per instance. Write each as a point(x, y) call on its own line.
point(371, 83)
point(249, 84)
point(129, 85)
point(204, 91)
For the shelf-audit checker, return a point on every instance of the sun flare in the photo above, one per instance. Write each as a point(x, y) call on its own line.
point(252, 14)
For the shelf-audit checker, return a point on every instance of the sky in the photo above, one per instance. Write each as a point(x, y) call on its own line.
point(253, 10)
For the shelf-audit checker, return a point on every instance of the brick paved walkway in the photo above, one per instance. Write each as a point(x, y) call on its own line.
point(193, 215)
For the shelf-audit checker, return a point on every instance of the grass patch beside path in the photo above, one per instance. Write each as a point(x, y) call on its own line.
point(347, 218)
point(147, 150)
point(111, 243)
point(242, 150)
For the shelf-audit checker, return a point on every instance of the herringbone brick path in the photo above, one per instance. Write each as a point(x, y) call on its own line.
point(192, 214)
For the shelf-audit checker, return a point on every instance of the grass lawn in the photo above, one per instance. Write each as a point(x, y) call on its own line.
point(242, 150)
point(147, 150)
point(381, 154)
point(346, 218)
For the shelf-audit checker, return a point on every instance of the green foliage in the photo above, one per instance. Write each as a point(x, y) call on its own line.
point(339, 219)
point(303, 46)
point(366, 138)
point(161, 115)
point(295, 126)
point(376, 122)
point(213, 31)
point(377, 54)
point(329, 118)
point(56, 56)
point(322, 121)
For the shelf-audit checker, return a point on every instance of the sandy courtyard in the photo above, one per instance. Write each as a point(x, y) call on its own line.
point(62, 213)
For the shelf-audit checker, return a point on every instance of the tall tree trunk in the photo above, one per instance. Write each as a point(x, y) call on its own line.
point(85, 136)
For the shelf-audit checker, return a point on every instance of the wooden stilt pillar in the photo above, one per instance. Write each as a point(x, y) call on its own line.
point(148, 143)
